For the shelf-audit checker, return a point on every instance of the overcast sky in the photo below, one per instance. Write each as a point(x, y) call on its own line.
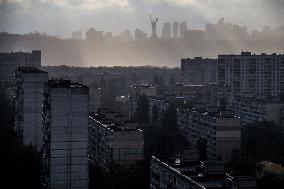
point(61, 17)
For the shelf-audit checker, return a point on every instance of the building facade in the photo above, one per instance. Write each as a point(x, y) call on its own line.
point(199, 71)
point(28, 105)
point(248, 74)
point(214, 135)
point(65, 149)
point(195, 175)
point(9, 62)
point(115, 142)
point(252, 110)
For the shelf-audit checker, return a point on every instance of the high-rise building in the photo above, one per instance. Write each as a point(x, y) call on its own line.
point(249, 74)
point(175, 30)
point(28, 105)
point(166, 31)
point(77, 35)
point(65, 149)
point(199, 71)
point(140, 35)
point(93, 35)
point(9, 62)
point(182, 29)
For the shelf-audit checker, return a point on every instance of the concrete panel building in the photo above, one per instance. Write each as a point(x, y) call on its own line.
point(175, 174)
point(114, 141)
point(199, 71)
point(252, 110)
point(9, 62)
point(28, 105)
point(214, 135)
point(65, 150)
point(249, 74)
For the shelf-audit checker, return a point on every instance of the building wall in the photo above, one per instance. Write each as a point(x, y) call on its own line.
point(220, 135)
point(250, 75)
point(28, 102)
point(68, 137)
point(199, 71)
point(164, 177)
point(9, 62)
point(122, 147)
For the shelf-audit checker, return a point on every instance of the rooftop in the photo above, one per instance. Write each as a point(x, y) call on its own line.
point(29, 69)
point(63, 83)
point(113, 126)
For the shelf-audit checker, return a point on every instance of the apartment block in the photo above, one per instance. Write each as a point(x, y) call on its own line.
point(65, 149)
point(215, 135)
point(9, 62)
point(249, 74)
point(172, 173)
point(199, 71)
point(251, 109)
point(114, 141)
point(28, 105)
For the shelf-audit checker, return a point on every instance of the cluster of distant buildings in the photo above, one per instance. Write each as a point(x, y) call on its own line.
point(214, 99)
point(220, 31)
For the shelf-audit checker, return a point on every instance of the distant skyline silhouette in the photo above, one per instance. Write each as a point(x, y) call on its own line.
point(61, 17)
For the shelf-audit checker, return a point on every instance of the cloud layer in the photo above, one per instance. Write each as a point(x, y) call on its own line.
point(63, 16)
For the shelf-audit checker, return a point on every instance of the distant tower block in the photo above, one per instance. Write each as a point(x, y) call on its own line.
point(154, 27)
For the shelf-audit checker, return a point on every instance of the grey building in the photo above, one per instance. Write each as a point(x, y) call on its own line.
point(175, 174)
point(199, 71)
point(65, 149)
point(28, 104)
point(166, 31)
point(249, 74)
point(215, 135)
point(9, 62)
point(114, 140)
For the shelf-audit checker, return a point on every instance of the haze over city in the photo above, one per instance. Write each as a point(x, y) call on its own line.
point(142, 94)
point(60, 17)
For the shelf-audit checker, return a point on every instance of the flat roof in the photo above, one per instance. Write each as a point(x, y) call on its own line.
point(29, 69)
point(63, 83)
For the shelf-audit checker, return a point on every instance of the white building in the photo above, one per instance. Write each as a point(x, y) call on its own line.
point(28, 105)
point(215, 135)
point(9, 62)
point(115, 141)
point(65, 150)
point(249, 74)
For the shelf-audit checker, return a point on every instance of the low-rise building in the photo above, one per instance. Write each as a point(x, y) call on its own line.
point(214, 134)
point(252, 110)
point(114, 141)
point(195, 175)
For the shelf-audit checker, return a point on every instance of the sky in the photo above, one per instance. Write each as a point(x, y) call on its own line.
point(61, 17)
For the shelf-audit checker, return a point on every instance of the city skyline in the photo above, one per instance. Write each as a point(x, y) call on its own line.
point(62, 17)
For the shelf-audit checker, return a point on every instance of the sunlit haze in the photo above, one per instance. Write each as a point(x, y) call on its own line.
point(61, 17)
